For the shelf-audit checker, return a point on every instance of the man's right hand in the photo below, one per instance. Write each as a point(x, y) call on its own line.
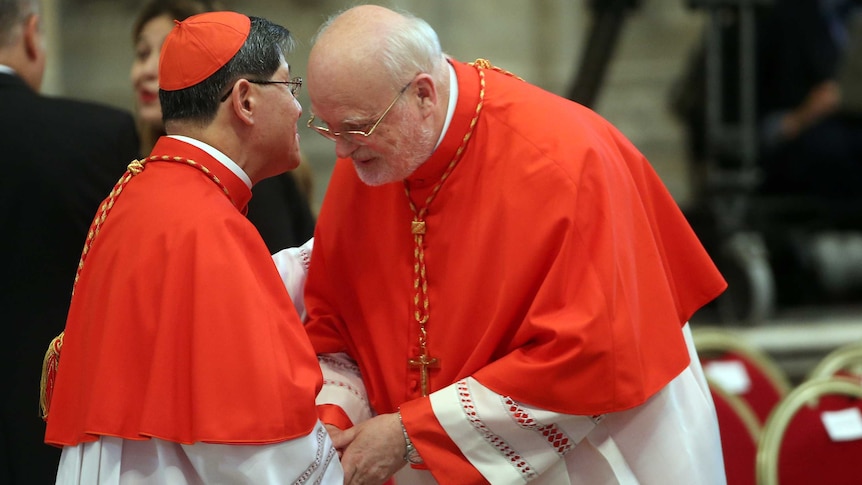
point(372, 451)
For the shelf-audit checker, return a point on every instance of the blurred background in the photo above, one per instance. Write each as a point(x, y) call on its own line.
point(540, 40)
point(678, 77)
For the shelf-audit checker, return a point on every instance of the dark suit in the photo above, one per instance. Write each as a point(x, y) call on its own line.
point(280, 212)
point(59, 159)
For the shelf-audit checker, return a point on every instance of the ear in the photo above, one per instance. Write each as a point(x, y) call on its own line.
point(243, 100)
point(33, 44)
point(426, 93)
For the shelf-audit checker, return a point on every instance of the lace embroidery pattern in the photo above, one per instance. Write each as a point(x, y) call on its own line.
point(320, 462)
point(555, 436)
point(341, 367)
point(351, 389)
point(305, 257)
point(517, 461)
point(330, 455)
point(338, 364)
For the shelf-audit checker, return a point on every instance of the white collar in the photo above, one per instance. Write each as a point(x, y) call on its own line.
point(219, 156)
point(453, 100)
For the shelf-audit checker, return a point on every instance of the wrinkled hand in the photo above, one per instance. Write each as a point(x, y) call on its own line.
point(334, 435)
point(372, 451)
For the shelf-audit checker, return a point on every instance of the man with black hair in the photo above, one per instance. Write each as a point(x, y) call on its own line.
point(184, 359)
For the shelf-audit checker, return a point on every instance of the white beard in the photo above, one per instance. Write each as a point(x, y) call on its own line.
point(414, 144)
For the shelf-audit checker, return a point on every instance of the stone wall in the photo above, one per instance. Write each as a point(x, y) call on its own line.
point(540, 40)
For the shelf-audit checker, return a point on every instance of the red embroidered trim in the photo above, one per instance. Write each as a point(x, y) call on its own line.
point(515, 459)
point(552, 433)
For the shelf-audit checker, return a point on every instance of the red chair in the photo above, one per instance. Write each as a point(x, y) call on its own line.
point(798, 447)
point(741, 369)
point(739, 430)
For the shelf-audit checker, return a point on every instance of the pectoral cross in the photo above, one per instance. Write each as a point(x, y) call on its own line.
point(423, 362)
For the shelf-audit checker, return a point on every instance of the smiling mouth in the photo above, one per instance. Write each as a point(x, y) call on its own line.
point(148, 97)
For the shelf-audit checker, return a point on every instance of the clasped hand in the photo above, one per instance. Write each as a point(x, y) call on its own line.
point(372, 451)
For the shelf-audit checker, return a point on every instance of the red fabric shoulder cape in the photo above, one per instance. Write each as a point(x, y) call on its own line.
point(180, 327)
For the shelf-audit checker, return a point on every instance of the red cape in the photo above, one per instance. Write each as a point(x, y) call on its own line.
point(560, 269)
point(180, 327)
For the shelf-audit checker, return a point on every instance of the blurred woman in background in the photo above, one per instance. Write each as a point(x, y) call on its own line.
point(280, 206)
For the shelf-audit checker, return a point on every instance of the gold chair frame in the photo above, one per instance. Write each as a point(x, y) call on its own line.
point(769, 445)
point(712, 340)
point(741, 408)
point(845, 357)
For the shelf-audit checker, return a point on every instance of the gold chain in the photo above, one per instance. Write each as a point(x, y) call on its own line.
point(486, 64)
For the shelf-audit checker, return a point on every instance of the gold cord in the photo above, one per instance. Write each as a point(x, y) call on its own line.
point(418, 227)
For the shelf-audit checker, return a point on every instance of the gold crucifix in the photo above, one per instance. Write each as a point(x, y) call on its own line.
point(423, 362)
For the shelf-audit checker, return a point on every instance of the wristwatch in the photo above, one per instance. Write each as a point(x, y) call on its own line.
point(411, 454)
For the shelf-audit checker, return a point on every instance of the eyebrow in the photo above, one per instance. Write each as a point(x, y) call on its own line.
point(361, 120)
point(356, 123)
point(350, 123)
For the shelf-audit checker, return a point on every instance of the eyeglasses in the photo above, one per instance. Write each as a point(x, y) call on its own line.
point(294, 85)
point(334, 135)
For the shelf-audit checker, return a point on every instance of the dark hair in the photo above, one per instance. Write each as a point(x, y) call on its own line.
point(259, 57)
point(175, 9)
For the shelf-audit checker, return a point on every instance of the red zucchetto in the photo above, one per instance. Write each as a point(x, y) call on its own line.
point(199, 46)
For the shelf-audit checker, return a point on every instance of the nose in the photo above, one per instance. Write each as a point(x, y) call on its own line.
point(344, 147)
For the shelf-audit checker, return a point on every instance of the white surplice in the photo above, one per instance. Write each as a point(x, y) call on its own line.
point(116, 461)
point(292, 264)
point(672, 438)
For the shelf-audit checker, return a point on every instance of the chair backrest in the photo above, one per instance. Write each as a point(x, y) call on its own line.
point(843, 361)
point(741, 369)
point(814, 436)
point(739, 430)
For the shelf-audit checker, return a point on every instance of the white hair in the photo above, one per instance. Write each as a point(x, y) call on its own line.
point(412, 48)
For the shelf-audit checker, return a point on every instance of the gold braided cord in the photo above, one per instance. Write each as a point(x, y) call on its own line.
point(486, 64)
point(421, 301)
point(52, 355)
point(96, 225)
point(134, 168)
point(49, 374)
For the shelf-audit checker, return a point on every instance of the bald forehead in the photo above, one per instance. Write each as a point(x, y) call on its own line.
point(356, 37)
point(346, 56)
point(365, 21)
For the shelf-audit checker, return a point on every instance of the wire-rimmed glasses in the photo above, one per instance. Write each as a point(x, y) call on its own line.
point(294, 85)
point(334, 135)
